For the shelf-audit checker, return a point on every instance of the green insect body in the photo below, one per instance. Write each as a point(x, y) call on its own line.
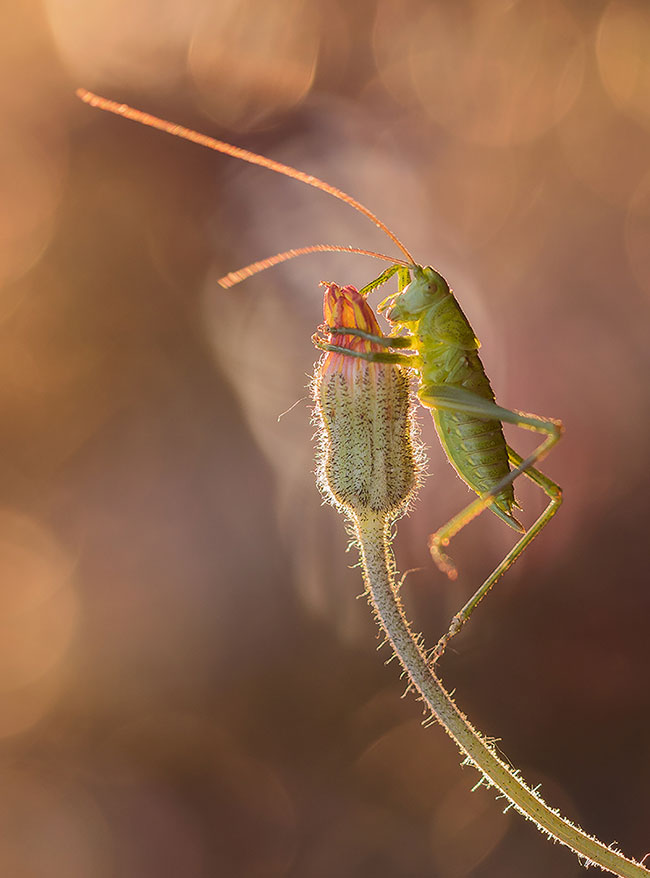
point(448, 354)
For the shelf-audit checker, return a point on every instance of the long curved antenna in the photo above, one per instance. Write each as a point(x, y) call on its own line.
point(237, 152)
point(235, 277)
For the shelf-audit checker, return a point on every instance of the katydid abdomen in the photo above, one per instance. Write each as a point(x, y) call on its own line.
point(448, 357)
point(477, 451)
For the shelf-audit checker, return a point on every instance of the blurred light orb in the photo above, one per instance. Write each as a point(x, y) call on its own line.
point(23, 708)
point(391, 36)
point(251, 60)
point(38, 617)
point(473, 188)
point(604, 148)
point(492, 73)
point(623, 53)
point(31, 181)
point(637, 234)
point(465, 829)
point(109, 43)
point(405, 767)
point(50, 827)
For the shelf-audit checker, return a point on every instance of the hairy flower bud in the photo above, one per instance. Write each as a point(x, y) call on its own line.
point(370, 458)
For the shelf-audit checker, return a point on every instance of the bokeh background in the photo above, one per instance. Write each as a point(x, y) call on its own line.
point(189, 685)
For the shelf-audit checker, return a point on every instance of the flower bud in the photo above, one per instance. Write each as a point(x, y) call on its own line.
point(370, 458)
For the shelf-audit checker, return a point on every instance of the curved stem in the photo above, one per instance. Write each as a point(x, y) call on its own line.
point(373, 533)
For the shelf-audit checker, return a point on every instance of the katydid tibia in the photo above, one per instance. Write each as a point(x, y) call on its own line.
point(431, 336)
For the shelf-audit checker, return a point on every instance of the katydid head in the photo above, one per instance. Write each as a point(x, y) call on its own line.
point(427, 288)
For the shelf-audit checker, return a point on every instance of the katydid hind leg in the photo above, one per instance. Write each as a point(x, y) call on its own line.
point(459, 400)
point(456, 399)
point(554, 493)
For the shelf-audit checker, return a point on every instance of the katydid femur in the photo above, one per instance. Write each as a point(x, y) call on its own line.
point(432, 336)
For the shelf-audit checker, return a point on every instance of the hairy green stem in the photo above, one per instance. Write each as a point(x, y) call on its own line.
point(373, 534)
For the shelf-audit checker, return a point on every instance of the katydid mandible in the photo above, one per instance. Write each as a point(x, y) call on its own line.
point(432, 336)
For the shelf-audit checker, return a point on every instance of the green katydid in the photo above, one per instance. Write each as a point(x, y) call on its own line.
point(453, 385)
point(432, 336)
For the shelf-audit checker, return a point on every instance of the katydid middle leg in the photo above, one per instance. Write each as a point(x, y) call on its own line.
point(554, 492)
point(456, 399)
point(386, 341)
point(371, 356)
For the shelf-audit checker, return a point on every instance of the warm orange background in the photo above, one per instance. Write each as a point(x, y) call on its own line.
point(188, 684)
